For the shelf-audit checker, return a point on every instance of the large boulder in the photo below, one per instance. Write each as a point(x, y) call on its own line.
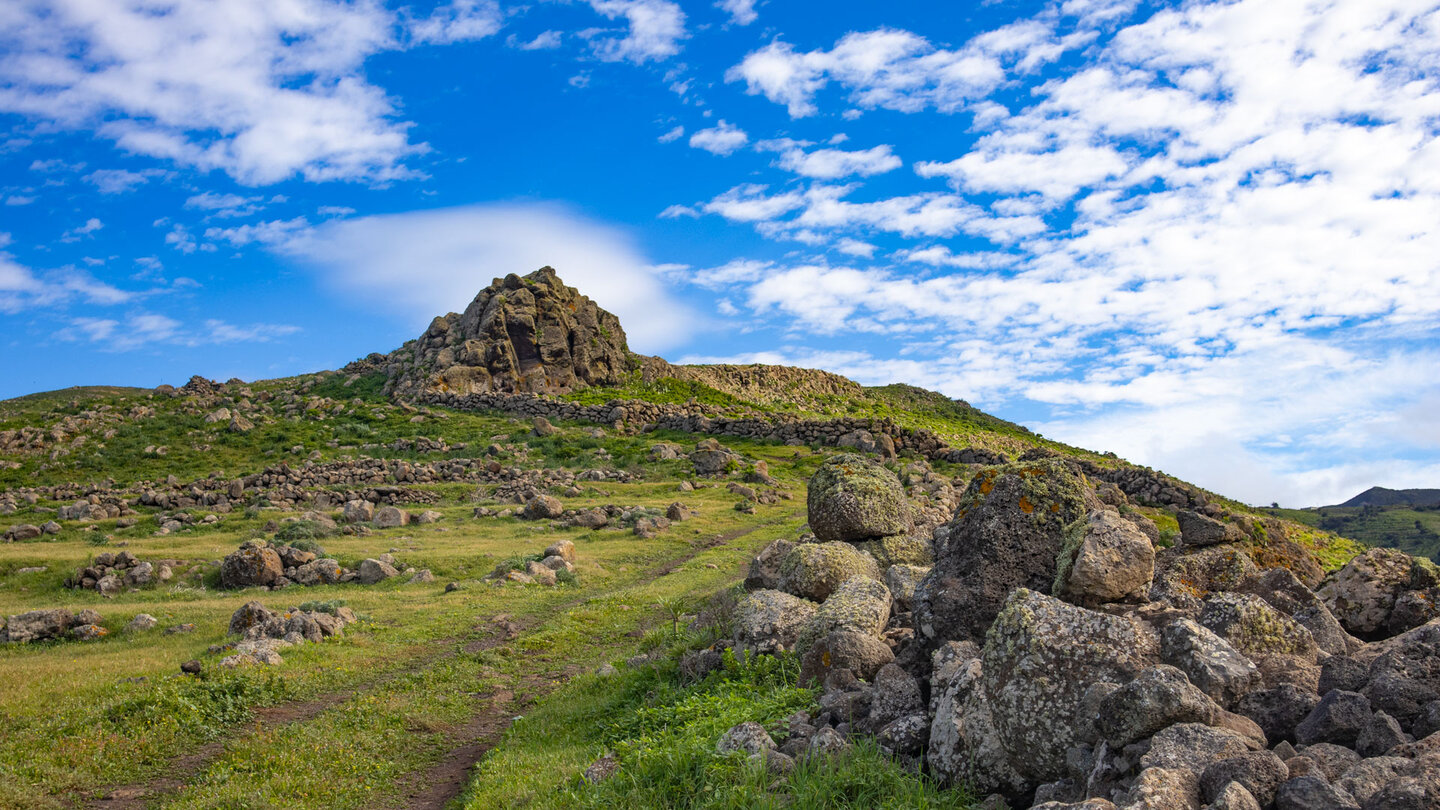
point(814, 570)
point(1405, 677)
point(1160, 696)
point(390, 517)
point(769, 621)
point(860, 653)
point(1199, 530)
point(542, 507)
point(373, 571)
point(1007, 533)
point(1286, 593)
point(1363, 593)
point(859, 605)
point(358, 511)
point(37, 625)
point(851, 498)
point(1253, 627)
point(1041, 657)
point(1105, 559)
point(1186, 574)
point(764, 570)
point(253, 564)
point(712, 458)
point(251, 614)
point(965, 744)
point(1210, 662)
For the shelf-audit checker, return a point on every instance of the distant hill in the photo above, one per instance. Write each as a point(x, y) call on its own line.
point(1380, 496)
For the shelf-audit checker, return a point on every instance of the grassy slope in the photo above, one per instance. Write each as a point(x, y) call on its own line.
point(120, 714)
point(1416, 531)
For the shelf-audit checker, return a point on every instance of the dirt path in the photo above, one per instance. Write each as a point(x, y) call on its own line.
point(441, 783)
point(446, 780)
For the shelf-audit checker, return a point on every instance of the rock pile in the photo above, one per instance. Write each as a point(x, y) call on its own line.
point(263, 634)
point(559, 556)
point(111, 573)
point(259, 563)
point(1052, 657)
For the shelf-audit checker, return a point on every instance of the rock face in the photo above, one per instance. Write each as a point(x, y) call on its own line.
point(1007, 533)
point(852, 498)
point(520, 334)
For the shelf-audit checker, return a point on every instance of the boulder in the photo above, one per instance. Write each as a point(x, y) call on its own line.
point(915, 548)
point(372, 571)
point(564, 549)
point(858, 605)
point(1278, 710)
point(1105, 559)
point(390, 517)
point(1362, 594)
point(902, 581)
point(251, 614)
point(1006, 534)
point(749, 737)
point(815, 570)
point(541, 427)
point(711, 458)
point(1198, 530)
point(1208, 661)
point(1261, 773)
point(1312, 793)
point(1338, 718)
point(1040, 658)
point(1158, 697)
point(965, 744)
point(1284, 591)
point(319, 572)
point(1253, 627)
point(1163, 789)
point(769, 621)
point(894, 694)
point(250, 566)
point(862, 654)
point(764, 570)
point(141, 623)
point(851, 498)
point(358, 512)
point(38, 625)
point(1405, 677)
point(1192, 747)
point(542, 507)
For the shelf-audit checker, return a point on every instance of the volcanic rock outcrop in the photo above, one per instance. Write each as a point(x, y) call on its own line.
point(1054, 658)
point(521, 334)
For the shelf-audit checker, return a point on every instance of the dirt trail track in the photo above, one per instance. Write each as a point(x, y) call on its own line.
point(432, 789)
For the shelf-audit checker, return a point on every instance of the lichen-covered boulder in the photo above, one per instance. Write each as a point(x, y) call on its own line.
point(768, 621)
point(1158, 697)
point(1105, 559)
point(1041, 656)
point(358, 512)
point(1253, 627)
point(860, 653)
point(37, 625)
point(965, 743)
point(1210, 662)
point(254, 564)
point(900, 549)
point(324, 571)
point(1186, 575)
point(390, 517)
point(1363, 593)
point(1006, 534)
point(852, 498)
point(251, 614)
point(542, 507)
point(902, 581)
point(1286, 593)
point(711, 458)
point(859, 605)
point(1405, 678)
point(373, 571)
point(814, 570)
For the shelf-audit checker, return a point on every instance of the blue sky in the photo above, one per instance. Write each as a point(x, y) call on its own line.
point(1203, 235)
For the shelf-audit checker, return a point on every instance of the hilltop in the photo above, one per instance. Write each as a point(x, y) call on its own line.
point(1407, 519)
point(1380, 496)
point(606, 580)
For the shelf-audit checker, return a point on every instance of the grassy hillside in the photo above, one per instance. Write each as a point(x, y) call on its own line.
point(1415, 530)
point(381, 716)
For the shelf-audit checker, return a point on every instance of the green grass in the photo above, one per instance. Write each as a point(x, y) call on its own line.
point(1415, 531)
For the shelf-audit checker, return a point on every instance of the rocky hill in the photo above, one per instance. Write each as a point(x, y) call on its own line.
point(619, 582)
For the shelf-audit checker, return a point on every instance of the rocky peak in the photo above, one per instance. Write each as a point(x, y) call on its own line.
point(521, 334)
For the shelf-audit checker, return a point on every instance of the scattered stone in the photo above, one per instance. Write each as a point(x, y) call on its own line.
point(141, 623)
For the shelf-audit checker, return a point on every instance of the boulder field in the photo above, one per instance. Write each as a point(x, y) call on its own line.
point(1045, 648)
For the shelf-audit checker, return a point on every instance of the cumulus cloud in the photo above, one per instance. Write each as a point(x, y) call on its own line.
point(654, 30)
point(260, 89)
point(742, 12)
point(418, 265)
point(831, 164)
point(457, 21)
point(23, 289)
point(120, 181)
point(224, 205)
point(901, 70)
point(722, 139)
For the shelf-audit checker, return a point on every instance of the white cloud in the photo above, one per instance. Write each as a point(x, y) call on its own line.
point(673, 135)
point(260, 89)
point(181, 239)
point(120, 181)
point(854, 247)
point(334, 211)
point(655, 29)
point(418, 265)
point(19, 199)
point(457, 21)
point(146, 329)
point(742, 12)
point(74, 234)
point(832, 164)
point(722, 139)
point(217, 331)
point(274, 232)
point(544, 41)
point(22, 289)
point(900, 70)
point(225, 205)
